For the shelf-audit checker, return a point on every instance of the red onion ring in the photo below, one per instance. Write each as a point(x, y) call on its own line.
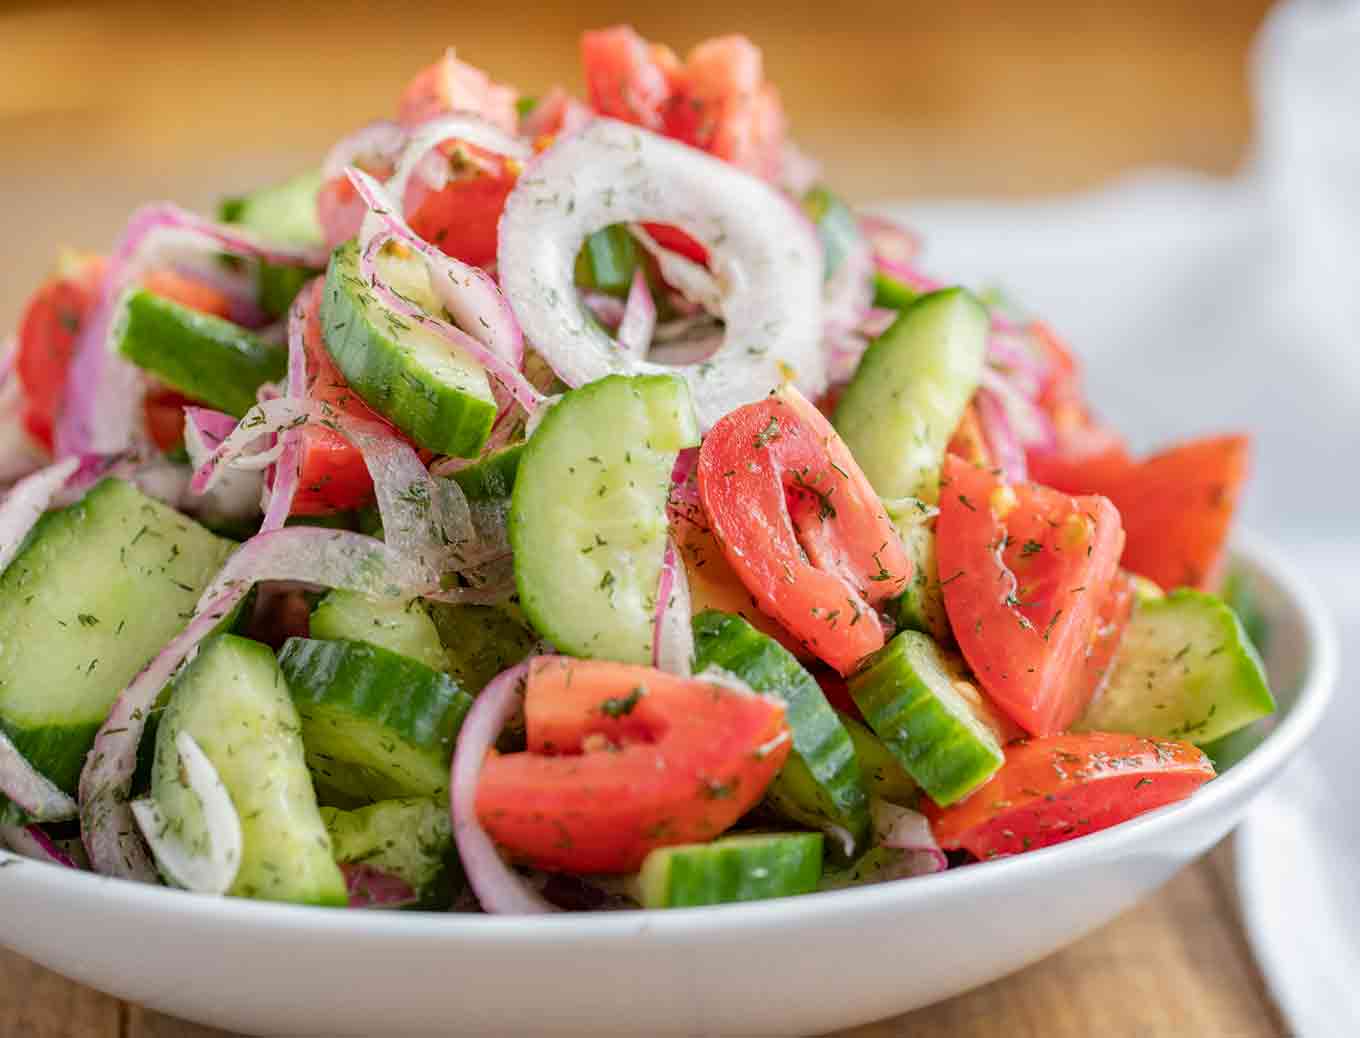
point(370, 887)
point(288, 472)
point(26, 502)
point(379, 143)
point(1005, 446)
point(908, 275)
point(32, 841)
point(672, 628)
point(905, 830)
point(638, 322)
point(499, 889)
point(891, 242)
point(31, 789)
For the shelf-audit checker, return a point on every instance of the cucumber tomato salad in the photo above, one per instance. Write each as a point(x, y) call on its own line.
point(570, 502)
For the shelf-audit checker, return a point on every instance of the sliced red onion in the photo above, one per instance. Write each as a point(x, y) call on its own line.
point(1006, 449)
point(8, 351)
point(693, 280)
point(890, 242)
point(908, 275)
point(849, 291)
point(32, 841)
point(1029, 421)
point(468, 293)
point(239, 484)
point(288, 472)
point(209, 869)
point(26, 502)
point(377, 144)
point(672, 626)
point(422, 142)
point(101, 413)
point(499, 889)
point(236, 450)
point(31, 789)
point(1007, 348)
point(20, 454)
point(310, 555)
point(798, 171)
point(764, 256)
point(900, 828)
point(608, 310)
point(370, 887)
point(639, 317)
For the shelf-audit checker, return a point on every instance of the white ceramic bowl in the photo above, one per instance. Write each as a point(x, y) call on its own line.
point(797, 966)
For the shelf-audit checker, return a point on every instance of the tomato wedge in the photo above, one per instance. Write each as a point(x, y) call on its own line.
point(968, 442)
point(462, 217)
point(801, 526)
point(623, 759)
point(1026, 571)
point(1056, 789)
point(625, 77)
point(450, 85)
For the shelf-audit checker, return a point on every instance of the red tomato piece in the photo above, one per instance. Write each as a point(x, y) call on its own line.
point(340, 210)
point(623, 759)
point(187, 291)
point(1111, 622)
point(676, 240)
point(48, 329)
point(1025, 572)
point(968, 442)
point(450, 85)
point(801, 526)
point(463, 217)
point(333, 475)
point(625, 78)
point(1082, 440)
point(1056, 789)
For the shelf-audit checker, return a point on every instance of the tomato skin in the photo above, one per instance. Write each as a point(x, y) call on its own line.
point(624, 78)
point(1111, 621)
point(968, 442)
point(801, 526)
point(1025, 571)
point(623, 759)
point(463, 217)
point(1064, 786)
point(340, 210)
point(676, 240)
point(450, 85)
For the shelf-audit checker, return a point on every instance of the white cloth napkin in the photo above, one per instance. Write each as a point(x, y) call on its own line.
point(1204, 305)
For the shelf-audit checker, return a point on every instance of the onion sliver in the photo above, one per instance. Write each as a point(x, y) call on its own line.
point(430, 135)
point(638, 323)
point(32, 841)
point(902, 829)
point(672, 629)
point(209, 869)
point(27, 501)
point(764, 255)
point(499, 889)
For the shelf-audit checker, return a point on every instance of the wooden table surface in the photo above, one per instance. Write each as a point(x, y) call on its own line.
point(105, 106)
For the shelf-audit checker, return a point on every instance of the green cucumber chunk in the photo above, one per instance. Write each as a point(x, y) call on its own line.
point(1240, 593)
point(892, 294)
point(401, 627)
point(492, 478)
point(1185, 669)
point(836, 227)
point(884, 777)
point(234, 702)
point(734, 868)
point(434, 392)
point(909, 692)
point(375, 725)
point(283, 213)
point(410, 838)
point(820, 784)
point(588, 517)
point(608, 260)
point(201, 355)
point(877, 865)
point(910, 390)
point(920, 607)
point(480, 641)
point(96, 591)
point(1227, 750)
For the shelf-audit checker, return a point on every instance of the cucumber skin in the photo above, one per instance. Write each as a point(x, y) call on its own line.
point(415, 709)
point(1225, 692)
point(910, 390)
point(820, 742)
point(883, 774)
point(479, 642)
point(284, 212)
point(493, 477)
point(58, 749)
point(276, 802)
point(202, 356)
point(445, 420)
point(409, 837)
point(926, 737)
point(401, 627)
point(921, 607)
point(732, 869)
point(563, 605)
point(891, 294)
point(607, 261)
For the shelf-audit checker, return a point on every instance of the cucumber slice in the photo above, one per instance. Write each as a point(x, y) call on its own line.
point(480, 641)
point(233, 701)
point(1184, 670)
point(607, 261)
point(820, 784)
point(914, 698)
point(734, 868)
point(492, 478)
point(376, 725)
point(435, 393)
point(96, 591)
point(410, 838)
point(588, 516)
point(885, 778)
point(401, 627)
point(1240, 594)
point(1227, 751)
point(891, 294)
point(286, 213)
point(877, 865)
point(202, 356)
point(920, 607)
point(910, 390)
point(836, 227)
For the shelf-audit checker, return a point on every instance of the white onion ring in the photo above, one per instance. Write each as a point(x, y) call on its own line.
point(212, 872)
point(499, 889)
point(762, 250)
point(423, 141)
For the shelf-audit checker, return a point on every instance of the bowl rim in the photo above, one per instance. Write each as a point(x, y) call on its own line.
point(1319, 676)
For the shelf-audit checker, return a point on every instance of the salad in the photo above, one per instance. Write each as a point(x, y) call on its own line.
point(571, 503)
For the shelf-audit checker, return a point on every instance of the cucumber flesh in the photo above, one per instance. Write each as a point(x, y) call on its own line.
point(920, 607)
point(734, 868)
point(588, 517)
point(915, 700)
point(1185, 669)
point(891, 294)
point(434, 392)
point(401, 627)
point(820, 784)
point(234, 702)
point(96, 591)
point(910, 390)
point(410, 838)
point(884, 777)
point(836, 227)
point(608, 260)
point(285, 213)
point(201, 355)
point(1228, 750)
point(375, 725)
point(492, 478)
point(877, 865)
point(480, 641)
